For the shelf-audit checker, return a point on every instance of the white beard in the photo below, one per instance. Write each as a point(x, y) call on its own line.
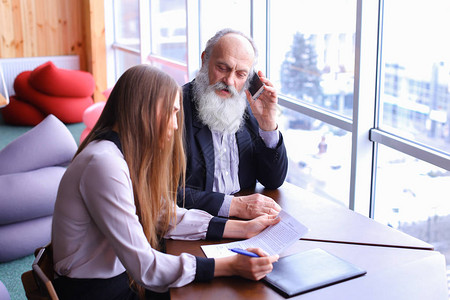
point(222, 115)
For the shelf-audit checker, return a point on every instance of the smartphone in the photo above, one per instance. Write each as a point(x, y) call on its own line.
point(256, 86)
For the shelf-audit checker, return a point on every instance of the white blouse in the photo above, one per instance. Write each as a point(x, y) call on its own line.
point(96, 232)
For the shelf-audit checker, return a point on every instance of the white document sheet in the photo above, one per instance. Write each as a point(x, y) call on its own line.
point(273, 240)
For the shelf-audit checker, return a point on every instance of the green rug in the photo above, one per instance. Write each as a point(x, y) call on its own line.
point(10, 275)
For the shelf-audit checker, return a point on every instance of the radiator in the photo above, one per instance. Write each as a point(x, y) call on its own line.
point(14, 66)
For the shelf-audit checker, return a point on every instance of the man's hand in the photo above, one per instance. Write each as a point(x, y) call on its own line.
point(252, 206)
point(265, 107)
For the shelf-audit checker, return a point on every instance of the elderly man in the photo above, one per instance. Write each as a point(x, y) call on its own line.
point(232, 141)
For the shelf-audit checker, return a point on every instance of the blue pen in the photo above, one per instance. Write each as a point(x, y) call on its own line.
point(244, 252)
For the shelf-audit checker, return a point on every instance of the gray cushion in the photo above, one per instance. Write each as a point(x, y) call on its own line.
point(49, 143)
point(31, 168)
point(22, 238)
point(4, 295)
point(29, 195)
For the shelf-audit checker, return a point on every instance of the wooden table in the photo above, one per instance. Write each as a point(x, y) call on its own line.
point(392, 273)
point(398, 266)
point(331, 222)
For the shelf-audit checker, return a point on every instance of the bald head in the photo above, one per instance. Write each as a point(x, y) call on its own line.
point(234, 45)
point(213, 41)
point(229, 60)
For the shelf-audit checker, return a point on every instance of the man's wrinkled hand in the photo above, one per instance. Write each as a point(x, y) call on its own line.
point(264, 109)
point(252, 206)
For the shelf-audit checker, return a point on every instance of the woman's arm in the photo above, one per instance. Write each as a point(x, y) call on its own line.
point(106, 190)
point(191, 224)
point(194, 224)
point(246, 229)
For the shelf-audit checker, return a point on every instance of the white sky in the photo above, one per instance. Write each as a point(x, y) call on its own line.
point(417, 32)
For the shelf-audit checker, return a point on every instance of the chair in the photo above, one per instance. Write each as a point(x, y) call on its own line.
point(37, 282)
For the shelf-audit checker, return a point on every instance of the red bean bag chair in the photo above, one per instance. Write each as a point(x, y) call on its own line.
point(53, 81)
point(67, 109)
point(18, 112)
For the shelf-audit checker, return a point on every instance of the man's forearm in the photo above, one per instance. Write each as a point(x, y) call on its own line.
point(207, 201)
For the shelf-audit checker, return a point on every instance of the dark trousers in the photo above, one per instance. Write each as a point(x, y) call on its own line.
point(115, 288)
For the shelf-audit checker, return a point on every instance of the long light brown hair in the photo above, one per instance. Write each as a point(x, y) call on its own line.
point(140, 106)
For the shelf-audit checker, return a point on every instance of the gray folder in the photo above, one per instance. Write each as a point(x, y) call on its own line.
point(306, 271)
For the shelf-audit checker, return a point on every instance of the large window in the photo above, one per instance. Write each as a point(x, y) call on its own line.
point(415, 70)
point(153, 32)
point(124, 36)
point(414, 115)
point(313, 59)
point(167, 37)
point(126, 25)
point(312, 62)
point(218, 14)
point(319, 156)
point(364, 91)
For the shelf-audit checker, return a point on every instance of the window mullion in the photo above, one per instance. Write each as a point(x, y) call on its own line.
point(363, 106)
point(144, 29)
point(193, 37)
point(260, 32)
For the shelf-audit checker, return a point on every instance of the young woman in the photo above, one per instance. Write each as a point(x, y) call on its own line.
point(117, 200)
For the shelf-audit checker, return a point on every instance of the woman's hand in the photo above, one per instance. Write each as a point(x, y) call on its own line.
point(260, 223)
point(253, 268)
point(246, 229)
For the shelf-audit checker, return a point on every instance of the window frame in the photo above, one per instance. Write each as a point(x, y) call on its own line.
point(366, 135)
point(145, 40)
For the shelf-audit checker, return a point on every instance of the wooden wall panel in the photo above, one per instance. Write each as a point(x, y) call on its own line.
point(11, 29)
point(25, 28)
point(31, 28)
point(41, 28)
point(95, 43)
